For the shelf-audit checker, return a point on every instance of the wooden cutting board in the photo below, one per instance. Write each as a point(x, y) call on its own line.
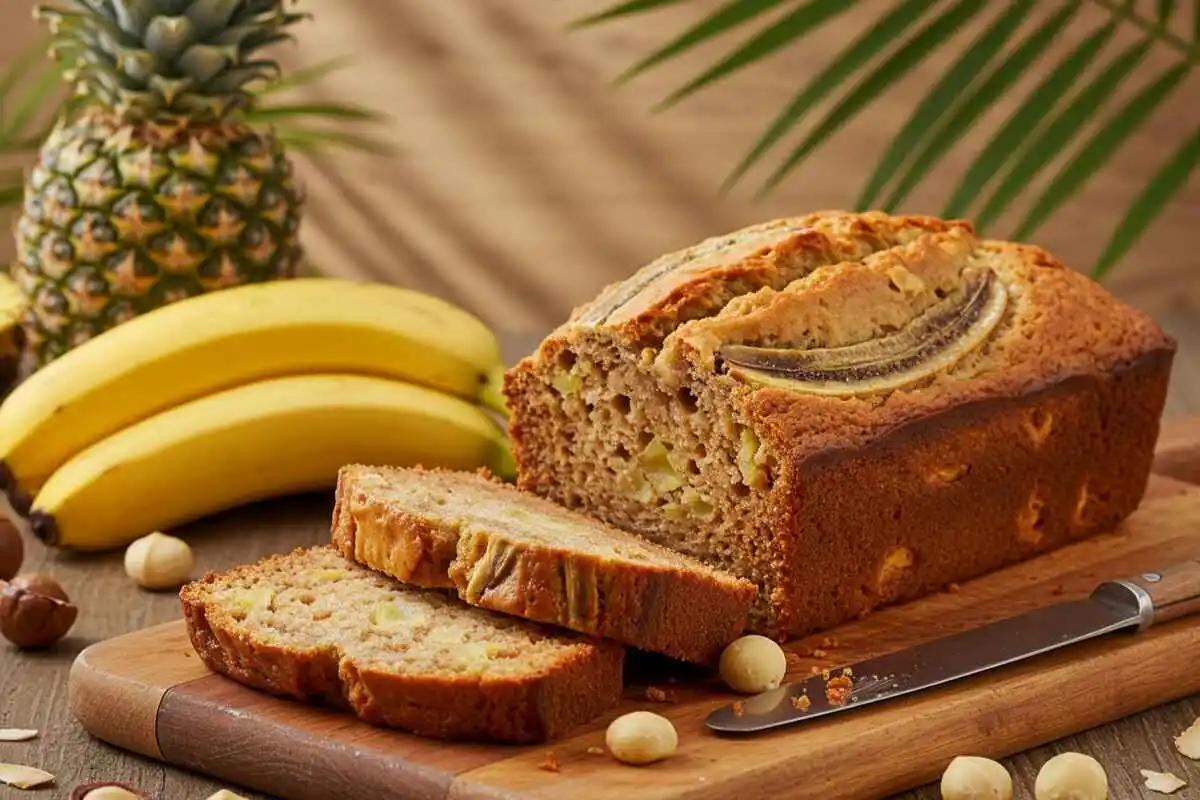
point(148, 692)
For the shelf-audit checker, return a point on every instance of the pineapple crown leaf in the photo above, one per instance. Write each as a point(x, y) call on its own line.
point(161, 58)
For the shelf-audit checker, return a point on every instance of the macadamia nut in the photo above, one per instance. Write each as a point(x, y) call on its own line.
point(976, 778)
point(1071, 776)
point(158, 561)
point(641, 737)
point(753, 664)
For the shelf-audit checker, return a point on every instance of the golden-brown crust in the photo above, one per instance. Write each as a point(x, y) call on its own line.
point(532, 708)
point(963, 491)
point(689, 614)
point(679, 285)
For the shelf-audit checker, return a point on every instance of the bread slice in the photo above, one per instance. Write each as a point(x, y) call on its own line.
point(316, 627)
point(517, 553)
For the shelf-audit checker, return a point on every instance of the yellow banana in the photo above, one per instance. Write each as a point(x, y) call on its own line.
point(266, 439)
point(205, 344)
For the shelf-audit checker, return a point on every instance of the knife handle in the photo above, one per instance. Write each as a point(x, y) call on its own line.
point(1173, 591)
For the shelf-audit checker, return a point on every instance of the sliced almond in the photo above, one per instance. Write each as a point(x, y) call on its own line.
point(17, 734)
point(1163, 782)
point(1188, 742)
point(24, 777)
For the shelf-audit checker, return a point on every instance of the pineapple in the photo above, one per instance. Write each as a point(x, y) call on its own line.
point(153, 187)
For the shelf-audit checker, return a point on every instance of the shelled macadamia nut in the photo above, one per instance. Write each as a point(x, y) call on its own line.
point(1071, 776)
point(976, 778)
point(753, 664)
point(641, 737)
point(158, 561)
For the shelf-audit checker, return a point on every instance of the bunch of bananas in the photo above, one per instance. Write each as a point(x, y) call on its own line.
point(245, 394)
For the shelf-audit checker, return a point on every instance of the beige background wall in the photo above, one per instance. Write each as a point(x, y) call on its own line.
point(524, 181)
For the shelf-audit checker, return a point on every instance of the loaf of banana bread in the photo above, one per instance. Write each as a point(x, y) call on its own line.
point(847, 409)
point(316, 627)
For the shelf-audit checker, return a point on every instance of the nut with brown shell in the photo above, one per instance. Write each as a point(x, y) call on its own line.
point(12, 550)
point(35, 612)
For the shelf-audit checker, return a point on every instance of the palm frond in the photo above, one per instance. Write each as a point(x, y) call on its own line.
point(783, 32)
point(923, 44)
point(1096, 152)
point(1059, 131)
point(951, 128)
point(624, 10)
point(1050, 123)
point(873, 41)
point(720, 21)
point(1025, 120)
point(1169, 179)
point(954, 82)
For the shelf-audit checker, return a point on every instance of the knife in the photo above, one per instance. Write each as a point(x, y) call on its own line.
point(1130, 606)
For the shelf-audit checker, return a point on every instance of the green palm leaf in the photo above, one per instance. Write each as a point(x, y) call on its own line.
point(1059, 131)
point(788, 29)
point(889, 28)
point(724, 19)
point(1100, 148)
point(953, 83)
point(913, 52)
point(948, 130)
point(624, 10)
point(1025, 120)
point(1169, 179)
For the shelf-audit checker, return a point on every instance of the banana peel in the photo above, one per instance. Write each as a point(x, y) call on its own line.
point(12, 305)
point(492, 395)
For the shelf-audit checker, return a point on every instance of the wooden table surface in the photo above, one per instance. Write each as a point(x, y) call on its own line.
point(33, 686)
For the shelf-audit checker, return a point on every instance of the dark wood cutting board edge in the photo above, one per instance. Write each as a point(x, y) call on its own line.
point(148, 693)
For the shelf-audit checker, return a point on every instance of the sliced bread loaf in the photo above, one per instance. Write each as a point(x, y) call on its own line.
point(517, 553)
point(316, 627)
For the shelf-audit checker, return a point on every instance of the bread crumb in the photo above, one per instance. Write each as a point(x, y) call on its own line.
point(802, 702)
point(595, 751)
point(848, 672)
point(1163, 782)
point(738, 709)
point(837, 690)
point(819, 653)
point(1188, 742)
point(814, 670)
point(825, 675)
point(550, 763)
point(659, 695)
point(953, 588)
point(829, 641)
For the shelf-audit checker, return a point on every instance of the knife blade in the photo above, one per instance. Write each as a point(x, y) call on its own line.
point(1131, 605)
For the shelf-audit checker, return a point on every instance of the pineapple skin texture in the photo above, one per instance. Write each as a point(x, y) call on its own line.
point(121, 218)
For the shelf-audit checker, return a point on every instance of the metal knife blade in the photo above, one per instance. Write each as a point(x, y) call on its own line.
point(1114, 606)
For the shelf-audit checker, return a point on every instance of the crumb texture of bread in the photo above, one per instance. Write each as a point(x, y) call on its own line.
point(848, 410)
point(316, 627)
point(514, 552)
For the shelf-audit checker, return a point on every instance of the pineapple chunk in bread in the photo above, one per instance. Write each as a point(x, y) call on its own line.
point(517, 553)
point(316, 627)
